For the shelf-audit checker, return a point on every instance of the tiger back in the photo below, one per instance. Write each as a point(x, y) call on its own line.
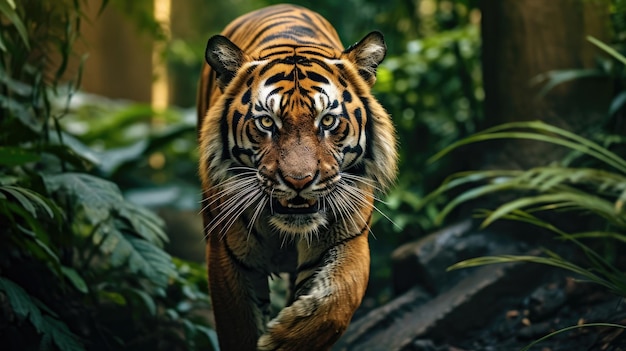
point(293, 148)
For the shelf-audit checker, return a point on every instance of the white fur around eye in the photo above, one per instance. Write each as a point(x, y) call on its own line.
point(270, 101)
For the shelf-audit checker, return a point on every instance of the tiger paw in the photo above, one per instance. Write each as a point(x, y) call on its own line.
point(307, 324)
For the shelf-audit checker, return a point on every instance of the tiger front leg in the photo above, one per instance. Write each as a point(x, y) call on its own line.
point(239, 296)
point(327, 295)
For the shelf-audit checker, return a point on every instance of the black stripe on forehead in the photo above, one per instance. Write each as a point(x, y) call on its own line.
point(295, 33)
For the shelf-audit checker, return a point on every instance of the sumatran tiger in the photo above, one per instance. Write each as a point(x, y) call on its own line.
point(293, 149)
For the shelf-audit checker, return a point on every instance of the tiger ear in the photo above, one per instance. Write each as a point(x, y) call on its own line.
point(225, 58)
point(367, 54)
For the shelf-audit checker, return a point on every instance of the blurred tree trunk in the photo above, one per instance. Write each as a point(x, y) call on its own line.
point(523, 39)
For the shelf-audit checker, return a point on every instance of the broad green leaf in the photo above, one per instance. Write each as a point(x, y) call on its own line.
point(69, 149)
point(21, 303)
point(149, 260)
point(138, 255)
point(27, 307)
point(35, 239)
point(145, 223)
point(61, 336)
point(29, 199)
point(16, 156)
point(146, 300)
point(84, 190)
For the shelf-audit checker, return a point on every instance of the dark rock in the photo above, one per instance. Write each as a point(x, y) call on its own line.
point(449, 316)
point(424, 262)
point(423, 345)
point(545, 300)
point(534, 331)
point(365, 328)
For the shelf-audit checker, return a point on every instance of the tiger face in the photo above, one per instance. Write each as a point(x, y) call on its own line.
point(304, 143)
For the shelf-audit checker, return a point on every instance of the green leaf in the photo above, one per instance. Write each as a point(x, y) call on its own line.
point(29, 199)
point(60, 335)
point(113, 296)
point(21, 303)
point(27, 307)
point(13, 16)
point(138, 255)
point(16, 86)
point(580, 201)
point(77, 281)
point(609, 50)
point(150, 261)
point(558, 77)
point(210, 334)
point(573, 327)
point(93, 197)
point(3, 46)
point(36, 238)
point(146, 300)
point(16, 156)
point(145, 223)
point(617, 103)
point(85, 191)
point(541, 131)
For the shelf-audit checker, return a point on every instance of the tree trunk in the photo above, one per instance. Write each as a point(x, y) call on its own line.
point(523, 39)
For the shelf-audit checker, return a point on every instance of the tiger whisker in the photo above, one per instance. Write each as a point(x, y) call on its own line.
point(238, 208)
point(363, 180)
point(226, 191)
point(351, 190)
point(257, 212)
point(350, 178)
point(234, 179)
point(343, 207)
point(231, 205)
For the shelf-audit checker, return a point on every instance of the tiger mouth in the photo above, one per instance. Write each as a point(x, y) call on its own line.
point(296, 205)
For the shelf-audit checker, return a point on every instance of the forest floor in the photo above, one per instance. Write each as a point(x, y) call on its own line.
point(498, 307)
point(556, 305)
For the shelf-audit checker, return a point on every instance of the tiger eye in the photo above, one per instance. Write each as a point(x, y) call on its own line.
point(328, 121)
point(267, 122)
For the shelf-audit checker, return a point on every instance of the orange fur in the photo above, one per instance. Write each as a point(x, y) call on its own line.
point(293, 147)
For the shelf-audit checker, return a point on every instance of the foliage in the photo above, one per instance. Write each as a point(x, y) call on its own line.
point(561, 188)
point(434, 93)
point(146, 153)
point(80, 266)
point(592, 181)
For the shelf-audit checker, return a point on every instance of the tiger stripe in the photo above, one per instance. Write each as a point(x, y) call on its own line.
point(292, 147)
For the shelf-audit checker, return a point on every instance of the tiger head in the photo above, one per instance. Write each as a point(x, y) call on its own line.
point(295, 141)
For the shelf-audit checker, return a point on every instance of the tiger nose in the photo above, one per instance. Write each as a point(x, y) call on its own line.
point(298, 182)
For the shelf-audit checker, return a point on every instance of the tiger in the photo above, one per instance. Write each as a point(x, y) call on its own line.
point(294, 150)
